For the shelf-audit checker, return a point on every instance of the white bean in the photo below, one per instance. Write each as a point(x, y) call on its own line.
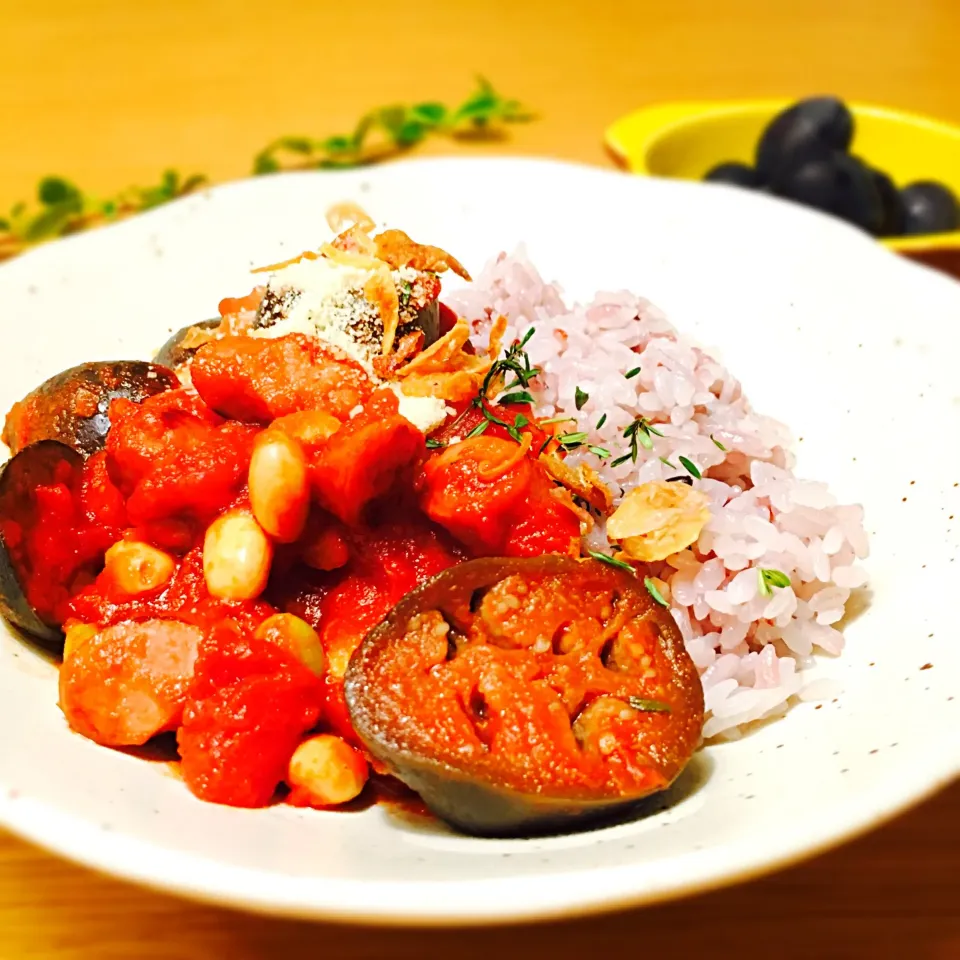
point(237, 555)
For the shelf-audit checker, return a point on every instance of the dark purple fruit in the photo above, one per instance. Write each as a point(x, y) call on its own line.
point(930, 207)
point(893, 212)
point(73, 406)
point(736, 174)
point(819, 122)
point(835, 183)
point(173, 353)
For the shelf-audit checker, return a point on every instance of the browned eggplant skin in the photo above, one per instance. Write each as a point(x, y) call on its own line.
point(72, 407)
point(472, 805)
point(172, 354)
point(40, 460)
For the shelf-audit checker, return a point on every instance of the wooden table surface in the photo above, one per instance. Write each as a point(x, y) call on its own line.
point(109, 92)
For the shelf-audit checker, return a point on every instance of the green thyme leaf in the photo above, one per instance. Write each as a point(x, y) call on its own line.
point(601, 421)
point(296, 144)
point(526, 337)
point(55, 190)
point(619, 460)
point(52, 222)
point(337, 145)
point(648, 706)
point(611, 561)
point(520, 397)
point(550, 420)
point(580, 398)
point(672, 466)
point(776, 578)
point(571, 440)
point(432, 114)
point(265, 163)
point(654, 591)
point(643, 438)
point(601, 452)
point(630, 374)
point(771, 578)
point(478, 429)
point(717, 443)
point(433, 444)
point(691, 468)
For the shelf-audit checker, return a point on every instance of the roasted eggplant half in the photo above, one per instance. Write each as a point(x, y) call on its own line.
point(181, 347)
point(36, 567)
point(528, 696)
point(73, 407)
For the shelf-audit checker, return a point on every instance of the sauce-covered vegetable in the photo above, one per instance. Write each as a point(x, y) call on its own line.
point(518, 696)
point(73, 406)
point(336, 541)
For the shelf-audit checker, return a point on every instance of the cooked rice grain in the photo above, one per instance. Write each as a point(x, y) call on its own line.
point(750, 643)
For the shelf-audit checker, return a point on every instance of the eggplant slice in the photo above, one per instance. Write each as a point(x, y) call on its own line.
point(37, 465)
point(413, 707)
point(72, 407)
point(173, 354)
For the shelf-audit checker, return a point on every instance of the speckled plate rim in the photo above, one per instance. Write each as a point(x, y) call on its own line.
point(501, 900)
point(418, 903)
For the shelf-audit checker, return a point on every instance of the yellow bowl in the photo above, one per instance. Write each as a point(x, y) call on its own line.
point(686, 139)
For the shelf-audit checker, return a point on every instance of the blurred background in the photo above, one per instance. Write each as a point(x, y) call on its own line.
point(109, 94)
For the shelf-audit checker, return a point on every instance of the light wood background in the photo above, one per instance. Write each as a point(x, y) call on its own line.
point(109, 92)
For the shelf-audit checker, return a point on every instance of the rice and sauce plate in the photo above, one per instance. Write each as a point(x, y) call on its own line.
point(499, 559)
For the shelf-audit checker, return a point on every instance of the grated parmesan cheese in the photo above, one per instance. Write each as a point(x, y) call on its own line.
point(425, 413)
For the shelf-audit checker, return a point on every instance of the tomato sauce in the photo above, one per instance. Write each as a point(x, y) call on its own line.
point(387, 515)
point(56, 534)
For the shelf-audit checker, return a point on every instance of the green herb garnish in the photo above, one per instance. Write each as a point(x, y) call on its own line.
point(611, 561)
point(601, 421)
point(572, 440)
point(478, 429)
point(654, 592)
point(768, 578)
point(520, 421)
point(601, 452)
point(435, 444)
point(558, 420)
point(648, 706)
point(639, 434)
point(63, 208)
point(394, 129)
point(672, 466)
point(514, 361)
point(630, 374)
point(691, 468)
point(521, 396)
point(717, 443)
point(580, 398)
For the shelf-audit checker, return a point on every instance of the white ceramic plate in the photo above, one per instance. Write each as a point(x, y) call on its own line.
point(857, 350)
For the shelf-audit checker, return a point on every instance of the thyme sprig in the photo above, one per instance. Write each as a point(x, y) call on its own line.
point(640, 433)
point(391, 130)
point(62, 208)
